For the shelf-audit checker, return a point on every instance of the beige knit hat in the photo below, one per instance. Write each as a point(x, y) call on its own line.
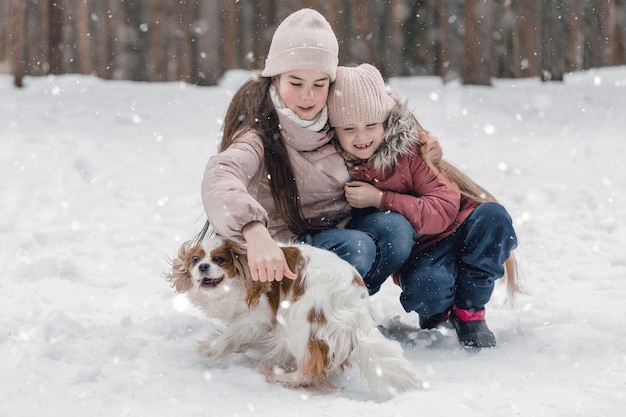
point(304, 40)
point(358, 95)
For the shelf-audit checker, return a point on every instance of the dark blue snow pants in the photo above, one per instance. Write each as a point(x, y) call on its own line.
point(462, 268)
point(377, 243)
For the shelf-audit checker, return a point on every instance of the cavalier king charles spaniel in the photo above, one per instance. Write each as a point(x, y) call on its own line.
point(304, 329)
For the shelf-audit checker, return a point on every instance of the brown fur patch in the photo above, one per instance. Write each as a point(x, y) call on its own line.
point(296, 263)
point(317, 363)
point(223, 257)
point(316, 317)
point(294, 259)
point(288, 287)
point(235, 262)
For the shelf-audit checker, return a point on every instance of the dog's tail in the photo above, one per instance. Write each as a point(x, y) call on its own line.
point(383, 365)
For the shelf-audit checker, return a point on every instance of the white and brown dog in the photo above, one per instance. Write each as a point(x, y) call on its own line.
point(304, 329)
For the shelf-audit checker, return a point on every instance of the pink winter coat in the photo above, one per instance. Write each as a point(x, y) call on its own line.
point(235, 189)
point(409, 186)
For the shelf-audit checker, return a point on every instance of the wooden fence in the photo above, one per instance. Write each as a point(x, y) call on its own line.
point(196, 41)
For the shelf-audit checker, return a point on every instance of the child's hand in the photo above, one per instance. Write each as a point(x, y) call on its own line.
point(361, 195)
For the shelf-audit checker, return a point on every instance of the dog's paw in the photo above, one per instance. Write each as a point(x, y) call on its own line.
point(277, 374)
point(211, 348)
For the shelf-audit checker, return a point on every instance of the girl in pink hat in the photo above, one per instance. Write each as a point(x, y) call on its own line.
point(463, 236)
point(277, 175)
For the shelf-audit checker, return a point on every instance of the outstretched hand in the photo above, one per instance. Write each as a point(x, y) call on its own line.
point(265, 258)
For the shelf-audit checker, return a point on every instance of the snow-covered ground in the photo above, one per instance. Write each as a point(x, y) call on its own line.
point(99, 185)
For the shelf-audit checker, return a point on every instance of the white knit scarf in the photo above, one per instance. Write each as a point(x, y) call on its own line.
point(314, 125)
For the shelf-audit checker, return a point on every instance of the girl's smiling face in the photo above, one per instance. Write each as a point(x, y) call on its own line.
point(304, 92)
point(361, 139)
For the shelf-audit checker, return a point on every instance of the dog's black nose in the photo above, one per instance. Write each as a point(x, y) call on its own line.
point(204, 267)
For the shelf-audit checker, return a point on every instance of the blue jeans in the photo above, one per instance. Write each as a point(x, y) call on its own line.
point(462, 268)
point(376, 243)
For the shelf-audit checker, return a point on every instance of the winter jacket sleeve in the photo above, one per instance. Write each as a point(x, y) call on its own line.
point(428, 204)
point(227, 202)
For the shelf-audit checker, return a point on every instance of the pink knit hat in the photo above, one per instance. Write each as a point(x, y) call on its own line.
point(358, 95)
point(304, 40)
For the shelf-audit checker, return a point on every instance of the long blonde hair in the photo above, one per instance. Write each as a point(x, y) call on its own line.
point(471, 190)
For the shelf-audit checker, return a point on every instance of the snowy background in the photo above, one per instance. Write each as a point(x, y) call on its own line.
point(99, 186)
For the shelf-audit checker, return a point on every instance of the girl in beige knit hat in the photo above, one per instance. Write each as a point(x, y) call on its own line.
point(463, 236)
point(277, 175)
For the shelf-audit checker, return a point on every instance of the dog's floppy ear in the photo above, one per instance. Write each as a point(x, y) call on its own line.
point(180, 275)
point(254, 289)
point(239, 258)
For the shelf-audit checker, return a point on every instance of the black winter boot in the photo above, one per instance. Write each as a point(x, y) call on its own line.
point(471, 328)
point(432, 322)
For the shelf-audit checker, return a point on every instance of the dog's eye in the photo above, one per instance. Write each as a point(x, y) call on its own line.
point(195, 260)
point(218, 260)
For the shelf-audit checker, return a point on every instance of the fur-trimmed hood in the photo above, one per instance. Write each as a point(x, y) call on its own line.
point(401, 138)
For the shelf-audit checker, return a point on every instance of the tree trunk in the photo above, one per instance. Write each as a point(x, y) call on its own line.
point(443, 60)
point(343, 30)
point(362, 46)
point(110, 40)
point(84, 55)
point(608, 32)
point(620, 33)
point(230, 41)
point(44, 33)
point(509, 26)
point(260, 45)
point(529, 28)
point(55, 37)
point(392, 44)
point(17, 11)
point(574, 54)
point(208, 28)
point(478, 60)
point(157, 61)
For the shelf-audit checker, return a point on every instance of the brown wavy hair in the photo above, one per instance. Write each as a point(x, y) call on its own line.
point(251, 109)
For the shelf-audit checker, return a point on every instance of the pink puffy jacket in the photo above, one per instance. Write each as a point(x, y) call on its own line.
point(235, 189)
